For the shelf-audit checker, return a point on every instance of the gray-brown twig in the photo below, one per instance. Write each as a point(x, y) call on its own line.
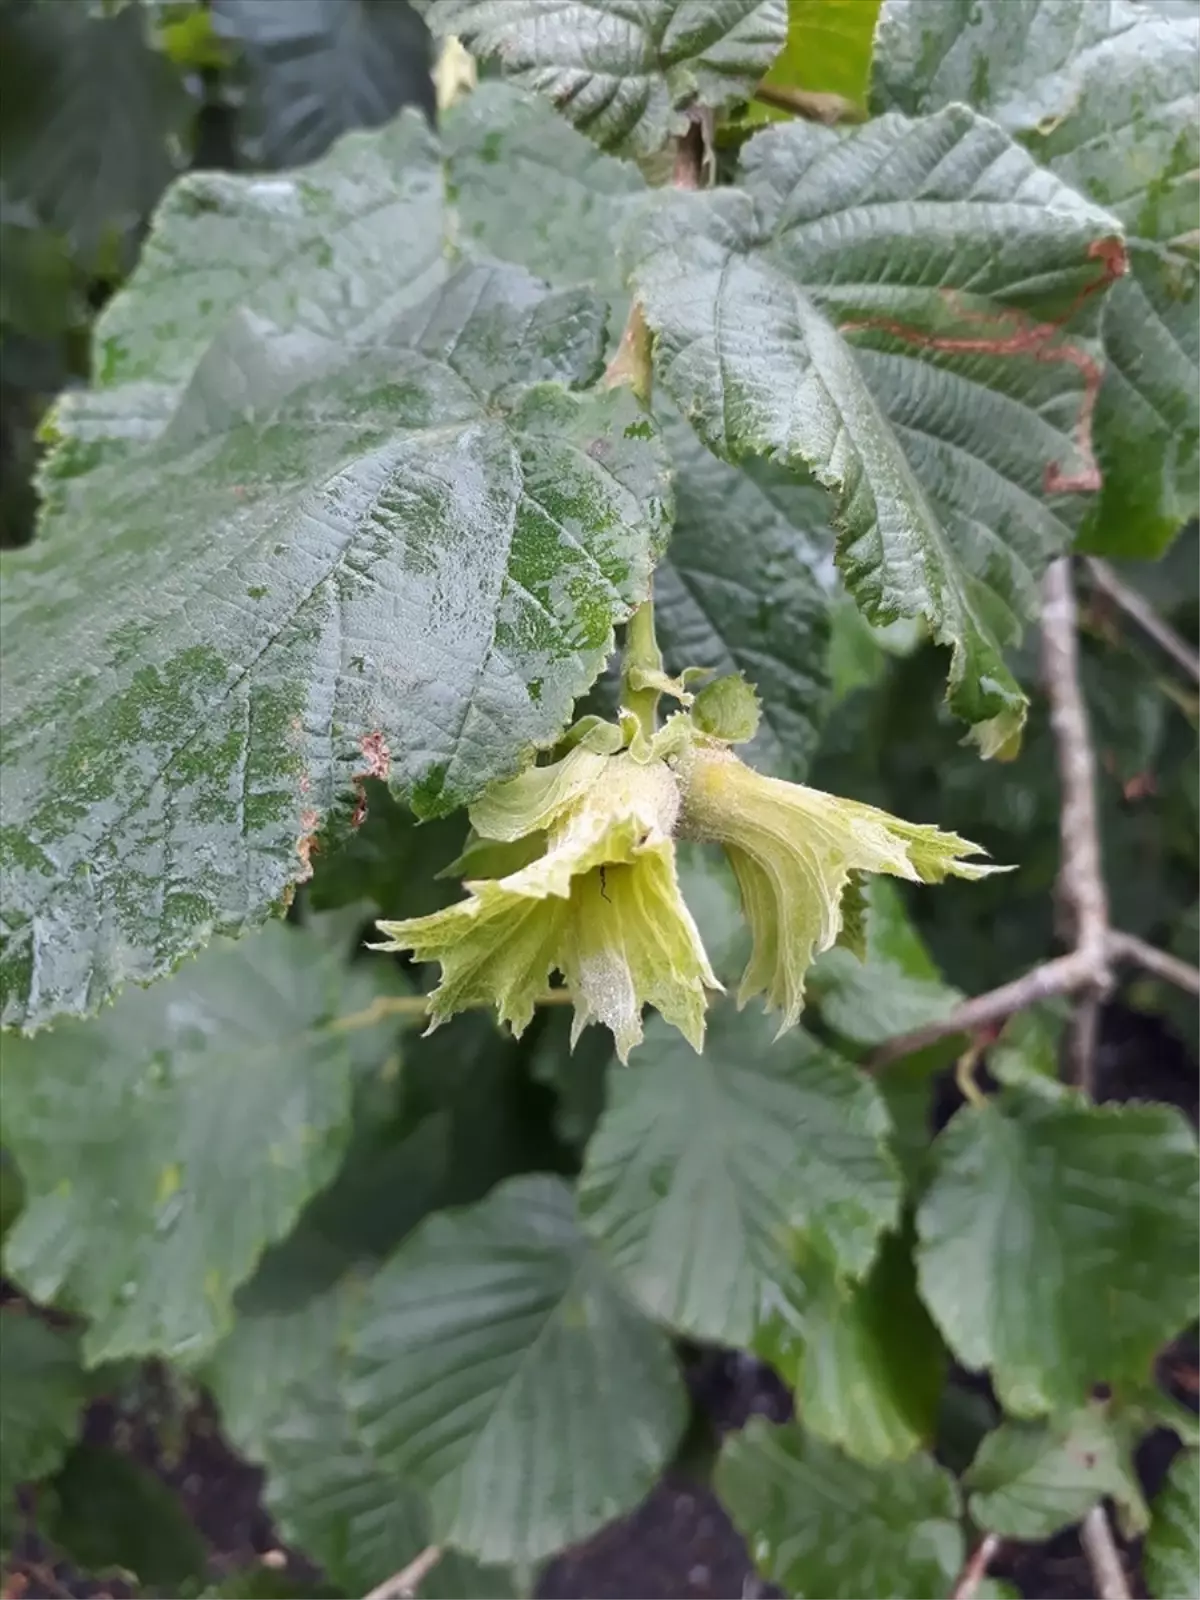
point(1082, 900)
point(1086, 971)
point(1125, 947)
point(404, 1584)
point(810, 104)
point(1138, 609)
point(976, 1568)
point(1062, 976)
point(1104, 1558)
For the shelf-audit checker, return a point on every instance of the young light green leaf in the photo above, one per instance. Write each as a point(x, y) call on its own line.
point(710, 1181)
point(1059, 1244)
point(392, 544)
point(623, 74)
point(1172, 1558)
point(493, 1337)
point(1029, 1479)
point(946, 408)
point(828, 52)
point(1107, 98)
point(279, 1379)
point(745, 588)
point(42, 1393)
point(318, 71)
point(165, 1144)
point(821, 1525)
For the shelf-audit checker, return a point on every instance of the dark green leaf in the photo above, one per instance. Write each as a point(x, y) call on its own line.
point(486, 1359)
point(897, 988)
point(279, 1379)
point(167, 1143)
point(622, 74)
point(711, 894)
point(316, 535)
point(745, 588)
point(1172, 1558)
point(108, 1513)
point(823, 1526)
point(907, 311)
point(578, 1076)
point(42, 1392)
point(859, 1381)
point(90, 113)
point(1027, 1053)
point(320, 69)
point(1030, 1479)
point(387, 859)
point(1106, 96)
point(1059, 1244)
point(38, 293)
point(710, 1180)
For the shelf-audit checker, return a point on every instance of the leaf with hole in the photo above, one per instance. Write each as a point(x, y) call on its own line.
point(1030, 1479)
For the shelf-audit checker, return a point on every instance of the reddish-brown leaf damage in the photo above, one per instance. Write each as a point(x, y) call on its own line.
point(1013, 333)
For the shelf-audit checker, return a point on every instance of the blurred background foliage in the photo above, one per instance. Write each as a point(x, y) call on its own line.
point(103, 102)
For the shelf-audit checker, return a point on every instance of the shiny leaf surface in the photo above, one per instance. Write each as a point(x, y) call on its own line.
point(944, 405)
point(1107, 97)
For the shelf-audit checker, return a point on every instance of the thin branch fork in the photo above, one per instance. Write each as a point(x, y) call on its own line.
point(1139, 610)
point(1096, 1537)
point(1087, 971)
point(977, 1566)
point(404, 1584)
point(1064, 975)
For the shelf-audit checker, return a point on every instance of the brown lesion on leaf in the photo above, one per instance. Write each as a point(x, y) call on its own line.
point(378, 757)
point(307, 844)
point(1013, 333)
